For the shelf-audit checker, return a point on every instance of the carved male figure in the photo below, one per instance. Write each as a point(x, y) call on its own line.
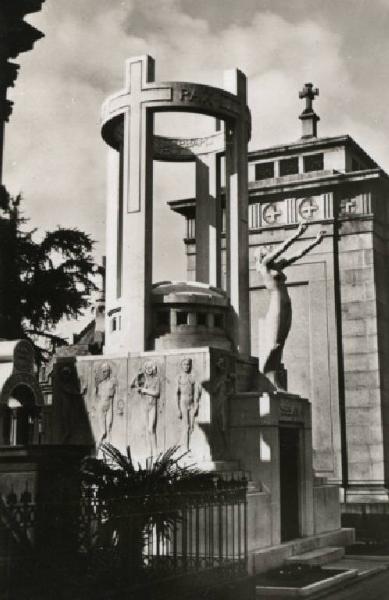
point(147, 383)
point(278, 319)
point(106, 386)
point(188, 399)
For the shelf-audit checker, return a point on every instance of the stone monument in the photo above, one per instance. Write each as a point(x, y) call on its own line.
point(176, 368)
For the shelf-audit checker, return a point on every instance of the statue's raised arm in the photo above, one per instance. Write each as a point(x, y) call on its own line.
point(304, 251)
point(280, 249)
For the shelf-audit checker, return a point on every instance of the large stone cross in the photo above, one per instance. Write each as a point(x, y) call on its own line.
point(139, 91)
point(308, 92)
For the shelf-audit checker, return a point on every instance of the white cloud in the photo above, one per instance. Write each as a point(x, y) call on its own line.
point(54, 152)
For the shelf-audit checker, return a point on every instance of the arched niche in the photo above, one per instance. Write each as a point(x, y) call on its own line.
point(20, 417)
point(21, 402)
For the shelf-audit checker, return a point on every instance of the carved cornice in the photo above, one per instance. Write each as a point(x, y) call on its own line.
point(307, 185)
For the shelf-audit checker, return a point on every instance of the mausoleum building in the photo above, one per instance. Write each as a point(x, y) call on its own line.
point(337, 351)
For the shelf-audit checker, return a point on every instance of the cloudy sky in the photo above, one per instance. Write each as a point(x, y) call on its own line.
point(54, 153)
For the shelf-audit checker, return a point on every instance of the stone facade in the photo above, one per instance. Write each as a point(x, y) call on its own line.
point(153, 390)
point(337, 349)
point(176, 368)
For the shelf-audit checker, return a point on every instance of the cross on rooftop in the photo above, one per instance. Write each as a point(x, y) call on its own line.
point(308, 92)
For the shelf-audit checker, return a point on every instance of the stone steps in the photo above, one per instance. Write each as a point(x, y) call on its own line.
point(314, 590)
point(351, 572)
point(270, 557)
point(318, 557)
point(364, 568)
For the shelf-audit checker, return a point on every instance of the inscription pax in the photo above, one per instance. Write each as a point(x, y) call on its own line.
point(196, 95)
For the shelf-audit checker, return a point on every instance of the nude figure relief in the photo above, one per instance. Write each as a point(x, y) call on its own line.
point(148, 385)
point(105, 393)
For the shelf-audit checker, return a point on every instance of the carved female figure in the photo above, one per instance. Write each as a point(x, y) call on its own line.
point(147, 384)
point(106, 385)
point(278, 319)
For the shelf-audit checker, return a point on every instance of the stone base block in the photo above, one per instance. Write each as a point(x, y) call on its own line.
point(270, 558)
point(365, 495)
point(321, 556)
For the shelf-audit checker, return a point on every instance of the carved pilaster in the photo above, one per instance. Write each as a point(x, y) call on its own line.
point(291, 210)
point(328, 205)
point(366, 203)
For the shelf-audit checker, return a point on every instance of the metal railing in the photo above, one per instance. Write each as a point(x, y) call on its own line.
point(184, 531)
point(142, 540)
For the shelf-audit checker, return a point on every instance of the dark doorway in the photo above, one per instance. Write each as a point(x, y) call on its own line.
point(289, 483)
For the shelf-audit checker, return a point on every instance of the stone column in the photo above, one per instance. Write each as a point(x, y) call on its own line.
point(112, 243)
point(237, 215)
point(137, 221)
point(208, 220)
point(131, 236)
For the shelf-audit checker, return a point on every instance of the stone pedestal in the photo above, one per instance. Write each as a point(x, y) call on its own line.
point(151, 426)
point(238, 423)
point(256, 422)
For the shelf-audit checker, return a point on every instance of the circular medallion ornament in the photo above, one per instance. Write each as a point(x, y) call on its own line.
point(270, 213)
point(307, 209)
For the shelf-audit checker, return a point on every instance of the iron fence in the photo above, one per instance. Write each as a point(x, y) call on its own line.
point(144, 539)
point(180, 532)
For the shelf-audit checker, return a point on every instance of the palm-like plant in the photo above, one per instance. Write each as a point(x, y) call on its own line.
point(138, 500)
